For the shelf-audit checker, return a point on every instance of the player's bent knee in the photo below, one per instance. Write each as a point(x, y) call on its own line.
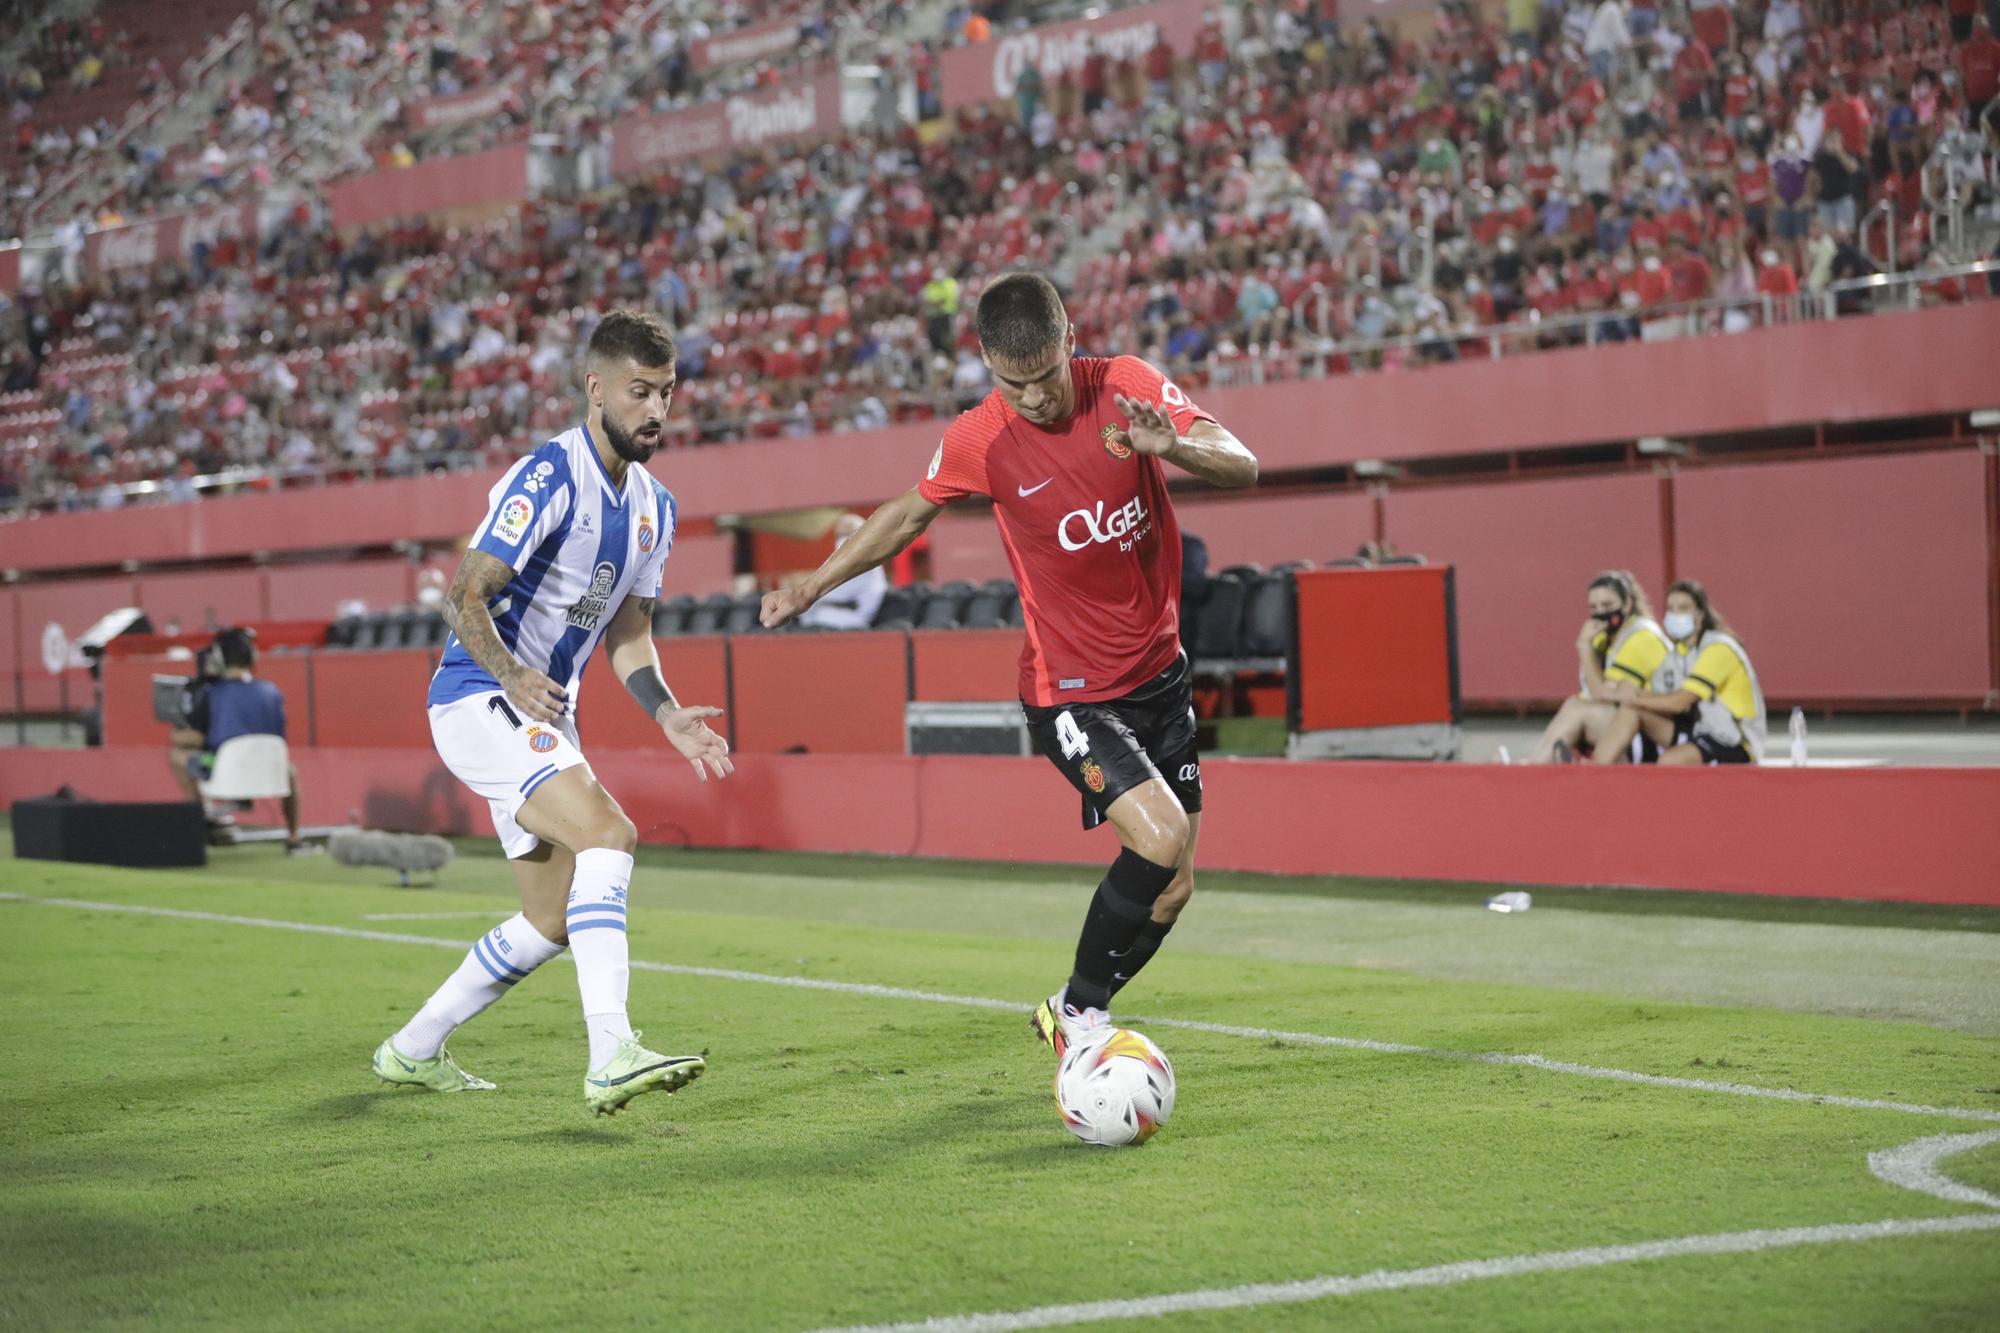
point(1174, 899)
point(612, 831)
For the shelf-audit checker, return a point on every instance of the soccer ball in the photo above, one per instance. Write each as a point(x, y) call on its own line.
point(1114, 1088)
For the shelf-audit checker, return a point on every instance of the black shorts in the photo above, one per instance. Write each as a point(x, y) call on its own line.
point(1715, 752)
point(1107, 748)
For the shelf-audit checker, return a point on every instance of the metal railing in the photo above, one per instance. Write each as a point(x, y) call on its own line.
point(1884, 205)
point(1716, 315)
point(684, 432)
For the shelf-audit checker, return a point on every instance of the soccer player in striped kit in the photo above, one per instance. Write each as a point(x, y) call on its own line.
point(1070, 450)
point(571, 552)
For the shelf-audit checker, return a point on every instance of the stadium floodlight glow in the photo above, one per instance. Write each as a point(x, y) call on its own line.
point(1659, 446)
point(1376, 469)
point(1986, 418)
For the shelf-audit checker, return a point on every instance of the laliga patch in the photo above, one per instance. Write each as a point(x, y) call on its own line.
point(646, 536)
point(1112, 447)
point(937, 461)
point(1093, 775)
point(541, 742)
point(511, 523)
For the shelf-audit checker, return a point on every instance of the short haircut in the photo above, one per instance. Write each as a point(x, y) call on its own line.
point(1021, 318)
point(237, 646)
point(632, 335)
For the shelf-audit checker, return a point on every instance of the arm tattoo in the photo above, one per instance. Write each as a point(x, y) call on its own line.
point(480, 579)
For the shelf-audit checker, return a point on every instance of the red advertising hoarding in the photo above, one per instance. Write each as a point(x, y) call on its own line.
point(974, 74)
point(142, 244)
point(497, 176)
point(10, 268)
point(761, 42)
point(777, 115)
point(443, 113)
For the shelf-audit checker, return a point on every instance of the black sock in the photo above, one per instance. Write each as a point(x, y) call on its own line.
point(1127, 965)
point(1119, 915)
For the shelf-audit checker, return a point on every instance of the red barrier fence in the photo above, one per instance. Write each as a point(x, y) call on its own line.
point(820, 693)
point(1879, 368)
point(10, 268)
point(1911, 835)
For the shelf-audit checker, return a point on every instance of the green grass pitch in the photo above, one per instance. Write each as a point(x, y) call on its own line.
point(192, 1136)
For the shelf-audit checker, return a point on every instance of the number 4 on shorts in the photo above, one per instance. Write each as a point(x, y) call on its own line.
point(1070, 736)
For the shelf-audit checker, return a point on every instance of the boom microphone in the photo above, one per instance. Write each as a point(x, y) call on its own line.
point(404, 853)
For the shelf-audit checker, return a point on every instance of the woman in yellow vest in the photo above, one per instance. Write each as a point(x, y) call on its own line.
point(1717, 715)
point(1619, 642)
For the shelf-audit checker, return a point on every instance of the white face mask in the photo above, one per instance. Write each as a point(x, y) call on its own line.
point(1680, 625)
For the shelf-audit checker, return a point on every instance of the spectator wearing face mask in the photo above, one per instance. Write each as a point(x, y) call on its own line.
point(1716, 713)
point(1620, 641)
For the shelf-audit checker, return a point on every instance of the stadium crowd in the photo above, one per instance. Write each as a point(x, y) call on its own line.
point(1261, 198)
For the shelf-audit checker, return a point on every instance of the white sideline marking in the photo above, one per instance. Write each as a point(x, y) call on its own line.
point(1914, 1166)
point(872, 990)
point(431, 916)
point(1439, 1275)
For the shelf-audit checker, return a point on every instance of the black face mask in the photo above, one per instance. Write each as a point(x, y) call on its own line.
point(1610, 619)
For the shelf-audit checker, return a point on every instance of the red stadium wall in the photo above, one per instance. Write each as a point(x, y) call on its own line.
point(1868, 554)
point(1918, 835)
point(1829, 568)
point(443, 184)
point(1884, 367)
point(1524, 554)
point(1860, 577)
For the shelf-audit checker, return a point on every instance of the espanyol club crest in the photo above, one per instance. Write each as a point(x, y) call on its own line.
point(541, 742)
point(1112, 447)
point(646, 535)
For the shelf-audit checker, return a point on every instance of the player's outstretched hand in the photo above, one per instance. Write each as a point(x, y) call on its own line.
point(687, 730)
point(535, 694)
point(782, 606)
point(1151, 431)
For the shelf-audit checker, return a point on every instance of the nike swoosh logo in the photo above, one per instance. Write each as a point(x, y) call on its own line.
point(1027, 491)
point(627, 1078)
point(407, 1067)
point(1121, 976)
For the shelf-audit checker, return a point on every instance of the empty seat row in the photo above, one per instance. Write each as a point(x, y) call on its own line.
point(389, 629)
point(954, 605)
point(1243, 613)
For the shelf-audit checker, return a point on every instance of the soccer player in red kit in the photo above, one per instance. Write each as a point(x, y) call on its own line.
point(1070, 450)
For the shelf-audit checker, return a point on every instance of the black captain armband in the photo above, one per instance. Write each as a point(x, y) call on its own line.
point(649, 687)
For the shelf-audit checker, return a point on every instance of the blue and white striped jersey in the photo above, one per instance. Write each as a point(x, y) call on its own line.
point(578, 546)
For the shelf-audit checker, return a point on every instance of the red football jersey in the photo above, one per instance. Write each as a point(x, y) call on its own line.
point(1088, 528)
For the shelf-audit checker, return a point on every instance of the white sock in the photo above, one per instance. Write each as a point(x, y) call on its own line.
point(501, 957)
point(597, 942)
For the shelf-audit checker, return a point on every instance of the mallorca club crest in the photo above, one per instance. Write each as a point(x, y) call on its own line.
point(541, 742)
point(1118, 451)
point(1093, 776)
point(646, 535)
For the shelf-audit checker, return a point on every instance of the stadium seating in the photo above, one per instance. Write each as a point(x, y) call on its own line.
point(1218, 627)
point(815, 322)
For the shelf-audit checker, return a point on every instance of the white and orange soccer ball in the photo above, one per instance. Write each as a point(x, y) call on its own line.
point(1115, 1089)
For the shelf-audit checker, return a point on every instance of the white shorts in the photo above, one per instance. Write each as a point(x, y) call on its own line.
point(503, 757)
